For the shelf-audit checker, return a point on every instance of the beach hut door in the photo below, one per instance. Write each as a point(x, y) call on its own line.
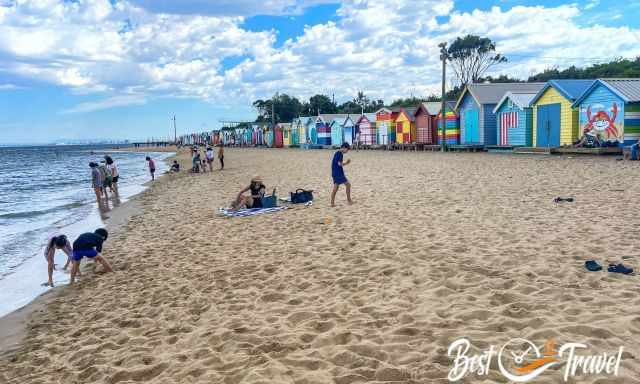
point(548, 129)
point(471, 131)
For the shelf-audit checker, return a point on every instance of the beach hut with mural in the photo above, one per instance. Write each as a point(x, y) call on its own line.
point(515, 120)
point(425, 122)
point(610, 108)
point(478, 124)
point(405, 125)
point(555, 120)
point(452, 126)
point(366, 129)
point(385, 124)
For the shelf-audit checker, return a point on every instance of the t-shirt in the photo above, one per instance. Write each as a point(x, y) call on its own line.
point(336, 164)
point(96, 177)
point(113, 169)
point(210, 154)
point(88, 241)
point(152, 165)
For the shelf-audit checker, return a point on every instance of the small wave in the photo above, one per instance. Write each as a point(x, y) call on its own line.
point(30, 214)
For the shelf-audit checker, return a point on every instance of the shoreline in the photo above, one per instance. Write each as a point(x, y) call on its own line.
point(13, 326)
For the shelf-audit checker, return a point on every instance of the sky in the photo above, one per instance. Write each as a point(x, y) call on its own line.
point(120, 69)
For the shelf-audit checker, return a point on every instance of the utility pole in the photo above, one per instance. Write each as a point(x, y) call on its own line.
point(443, 111)
point(175, 132)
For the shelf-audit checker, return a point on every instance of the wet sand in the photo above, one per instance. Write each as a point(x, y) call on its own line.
point(437, 247)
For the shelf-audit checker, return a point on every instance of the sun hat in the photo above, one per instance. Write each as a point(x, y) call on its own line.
point(257, 179)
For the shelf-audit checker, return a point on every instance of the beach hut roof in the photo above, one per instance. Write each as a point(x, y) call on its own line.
point(327, 118)
point(522, 100)
point(369, 116)
point(409, 111)
point(491, 93)
point(570, 89)
point(383, 109)
point(627, 89)
point(432, 107)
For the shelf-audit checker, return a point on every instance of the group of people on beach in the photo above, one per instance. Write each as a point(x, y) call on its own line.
point(104, 176)
point(200, 163)
point(257, 189)
point(87, 245)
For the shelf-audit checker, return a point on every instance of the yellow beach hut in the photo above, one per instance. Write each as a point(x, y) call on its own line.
point(406, 126)
point(555, 121)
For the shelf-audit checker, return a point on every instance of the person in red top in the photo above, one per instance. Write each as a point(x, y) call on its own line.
point(152, 167)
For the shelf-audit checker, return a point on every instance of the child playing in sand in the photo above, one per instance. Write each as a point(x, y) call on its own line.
point(152, 167)
point(209, 156)
point(54, 243)
point(337, 173)
point(175, 167)
point(89, 245)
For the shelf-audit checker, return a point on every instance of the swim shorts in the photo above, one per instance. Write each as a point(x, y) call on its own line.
point(80, 253)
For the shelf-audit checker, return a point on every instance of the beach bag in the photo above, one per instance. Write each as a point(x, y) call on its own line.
point(270, 201)
point(301, 196)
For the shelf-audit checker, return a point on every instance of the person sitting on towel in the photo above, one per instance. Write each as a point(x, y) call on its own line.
point(254, 199)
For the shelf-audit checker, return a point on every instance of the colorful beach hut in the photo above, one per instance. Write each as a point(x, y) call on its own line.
point(611, 108)
point(337, 131)
point(366, 129)
point(279, 132)
point(452, 128)
point(475, 107)
point(555, 121)
point(405, 125)
point(323, 125)
point(425, 121)
point(385, 123)
point(515, 119)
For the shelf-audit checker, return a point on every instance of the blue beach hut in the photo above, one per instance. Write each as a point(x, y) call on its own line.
point(514, 119)
point(475, 106)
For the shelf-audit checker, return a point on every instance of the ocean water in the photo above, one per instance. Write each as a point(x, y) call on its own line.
point(47, 190)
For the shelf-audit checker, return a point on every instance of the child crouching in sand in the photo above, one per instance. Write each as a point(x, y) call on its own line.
point(89, 245)
point(54, 243)
point(337, 173)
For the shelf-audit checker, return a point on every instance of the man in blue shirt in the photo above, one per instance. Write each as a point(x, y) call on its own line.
point(337, 173)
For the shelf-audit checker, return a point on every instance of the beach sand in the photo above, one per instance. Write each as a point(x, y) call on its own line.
point(436, 247)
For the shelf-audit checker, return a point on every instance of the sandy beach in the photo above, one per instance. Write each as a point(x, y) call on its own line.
point(437, 247)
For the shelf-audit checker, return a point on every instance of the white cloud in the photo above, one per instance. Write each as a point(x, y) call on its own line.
point(231, 7)
point(591, 4)
point(386, 48)
point(112, 102)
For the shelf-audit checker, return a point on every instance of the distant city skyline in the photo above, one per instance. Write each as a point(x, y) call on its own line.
point(124, 68)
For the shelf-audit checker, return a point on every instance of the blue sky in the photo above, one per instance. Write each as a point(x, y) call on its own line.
point(121, 68)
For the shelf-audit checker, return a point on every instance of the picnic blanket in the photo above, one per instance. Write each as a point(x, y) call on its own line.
point(249, 212)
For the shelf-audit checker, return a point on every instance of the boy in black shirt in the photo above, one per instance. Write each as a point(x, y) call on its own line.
point(89, 245)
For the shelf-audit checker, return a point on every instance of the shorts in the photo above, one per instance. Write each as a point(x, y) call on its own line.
point(340, 179)
point(209, 161)
point(80, 253)
point(152, 170)
point(97, 185)
point(115, 179)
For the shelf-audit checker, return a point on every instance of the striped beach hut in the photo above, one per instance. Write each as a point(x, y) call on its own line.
point(405, 126)
point(475, 107)
point(555, 121)
point(366, 129)
point(610, 108)
point(515, 119)
point(323, 124)
point(452, 128)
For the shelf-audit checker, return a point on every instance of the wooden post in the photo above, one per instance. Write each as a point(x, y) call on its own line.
point(443, 112)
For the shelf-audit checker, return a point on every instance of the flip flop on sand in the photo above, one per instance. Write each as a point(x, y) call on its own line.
point(563, 199)
point(593, 266)
point(620, 269)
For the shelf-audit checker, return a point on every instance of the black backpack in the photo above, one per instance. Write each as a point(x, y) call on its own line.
point(301, 196)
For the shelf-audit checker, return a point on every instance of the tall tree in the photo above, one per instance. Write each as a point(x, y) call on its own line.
point(285, 108)
point(360, 103)
point(320, 103)
point(471, 56)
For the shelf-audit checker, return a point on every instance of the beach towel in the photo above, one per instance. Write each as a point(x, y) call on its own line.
point(249, 212)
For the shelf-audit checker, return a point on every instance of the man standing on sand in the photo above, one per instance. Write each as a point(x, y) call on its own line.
point(221, 156)
point(152, 167)
point(337, 173)
point(89, 245)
